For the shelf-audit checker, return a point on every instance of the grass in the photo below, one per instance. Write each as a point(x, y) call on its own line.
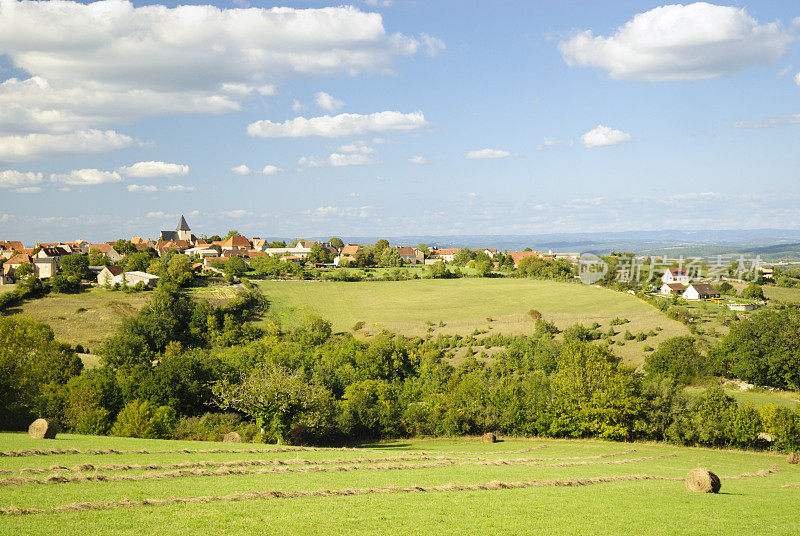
point(87, 318)
point(756, 505)
point(789, 295)
point(758, 398)
point(7, 288)
point(416, 307)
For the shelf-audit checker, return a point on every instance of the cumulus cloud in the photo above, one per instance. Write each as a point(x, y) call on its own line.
point(238, 213)
point(28, 190)
point(86, 177)
point(148, 170)
point(487, 153)
point(346, 155)
point(269, 169)
point(680, 42)
point(97, 63)
point(603, 136)
point(180, 188)
point(146, 188)
point(19, 179)
point(433, 45)
point(339, 126)
point(797, 79)
point(547, 143)
point(36, 146)
point(328, 102)
point(241, 170)
point(419, 160)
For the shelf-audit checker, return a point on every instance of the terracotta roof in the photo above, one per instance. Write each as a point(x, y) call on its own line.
point(115, 270)
point(237, 241)
point(451, 251)
point(19, 258)
point(139, 240)
point(676, 286)
point(519, 255)
point(677, 271)
point(103, 248)
point(12, 244)
point(407, 251)
point(704, 288)
point(350, 250)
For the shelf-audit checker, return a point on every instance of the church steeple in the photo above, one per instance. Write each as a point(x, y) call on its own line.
point(182, 225)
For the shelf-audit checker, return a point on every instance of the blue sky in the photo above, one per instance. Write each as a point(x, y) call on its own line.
point(462, 117)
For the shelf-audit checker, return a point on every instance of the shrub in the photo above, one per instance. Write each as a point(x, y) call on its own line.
point(142, 419)
point(358, 325)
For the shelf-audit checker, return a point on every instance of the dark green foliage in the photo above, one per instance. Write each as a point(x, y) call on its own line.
point(75, 265)
point(545, 268)
point(753, 291)
point(679, 358)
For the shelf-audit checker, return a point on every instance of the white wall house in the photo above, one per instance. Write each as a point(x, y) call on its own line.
point(676, 275)
point(700, 291)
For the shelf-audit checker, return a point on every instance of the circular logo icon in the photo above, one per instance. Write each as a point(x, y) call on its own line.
point(591, 268)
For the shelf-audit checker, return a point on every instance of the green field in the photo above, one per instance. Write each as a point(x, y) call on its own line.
point(407, 487)
point(788, 399)
point(417, 307)
point(104, 310)
point(789, 295)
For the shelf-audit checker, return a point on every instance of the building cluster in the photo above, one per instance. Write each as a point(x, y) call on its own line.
point(677, 282)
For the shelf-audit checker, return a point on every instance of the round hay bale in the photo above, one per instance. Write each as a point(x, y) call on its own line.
point(702, 481)
point(793, 458)
point(232, 437)
point(489, 437)
point(42, 429)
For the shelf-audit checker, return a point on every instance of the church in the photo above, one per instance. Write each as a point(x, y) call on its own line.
point(183, 232)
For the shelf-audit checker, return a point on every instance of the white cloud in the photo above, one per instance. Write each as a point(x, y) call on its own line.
point(603, 136)
point(487, 153)
point(181, 188)
point(348, 212)
point(102, 62)
point(419, 160)
point(328, 102)
point(797, 79)
point(472, 195)
point(86, 177)
point(238, 213)
point(339, 126)
point(433, 45)
point(298, 106)
point(269, 169)
point(772, 121)
point(143, 188)
point(550, 142)
point(680, 42)
point(378, 3)
point(19, 179)
point(241, 170)
point(28, 190)
point(36, 146)
point(346, 155)
point(148, 170)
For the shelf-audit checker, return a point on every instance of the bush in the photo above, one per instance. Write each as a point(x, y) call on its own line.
point(214, 426)
point(142, 419)
point(678, 358)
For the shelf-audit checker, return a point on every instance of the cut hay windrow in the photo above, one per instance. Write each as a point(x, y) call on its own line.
point(231, 469)
point(48, 452)
point(297, 494)
point(298, 461)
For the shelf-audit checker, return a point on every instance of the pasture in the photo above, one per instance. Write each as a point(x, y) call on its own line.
point(461, 306)
point(515, 486)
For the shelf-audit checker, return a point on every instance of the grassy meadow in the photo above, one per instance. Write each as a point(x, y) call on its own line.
point(404, 487)
point(419, 307)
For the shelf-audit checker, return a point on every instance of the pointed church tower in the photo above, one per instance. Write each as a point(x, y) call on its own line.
point(184, 233)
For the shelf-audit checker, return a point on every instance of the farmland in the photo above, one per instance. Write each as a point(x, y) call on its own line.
point(405, 487)
point(461, 306)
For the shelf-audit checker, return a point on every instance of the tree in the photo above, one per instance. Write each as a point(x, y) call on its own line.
point(235, 267)
point(138, 261)
point(463, 256)
point(336, 242)
point(23, 270)
point(179, 270)
point(484, 267)
point(754, 292)
point(380, 245)
point(125, 247)
point(231, 233)
point(319, 254)
point(279, 400)
point(97, 258)
point(677, 357)
point(75, 265)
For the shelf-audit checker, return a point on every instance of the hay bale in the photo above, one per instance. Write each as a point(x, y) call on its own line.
point(232, 437)
point(42, 429)
point(489, 437)
point(793, 458)
point(702, 481)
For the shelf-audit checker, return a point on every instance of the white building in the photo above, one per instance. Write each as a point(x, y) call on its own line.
point(676, 275)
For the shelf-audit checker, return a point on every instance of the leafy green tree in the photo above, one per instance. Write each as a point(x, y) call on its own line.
point(179, 270)
point(124, 247)
point(753, 291)
point(679, 358)
point(34, 368)
point(23, 270)
point(141, 419)
point(231, 233)
point(279, 400)
point(235, 267)
point(336, 242)
point(484, 267)
point(463, 256)
point(370, 409)
point(98, 258)
point(64, 284)
point(319, 254)
point(138, 261)
point(380, 245)
point(75, 265)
